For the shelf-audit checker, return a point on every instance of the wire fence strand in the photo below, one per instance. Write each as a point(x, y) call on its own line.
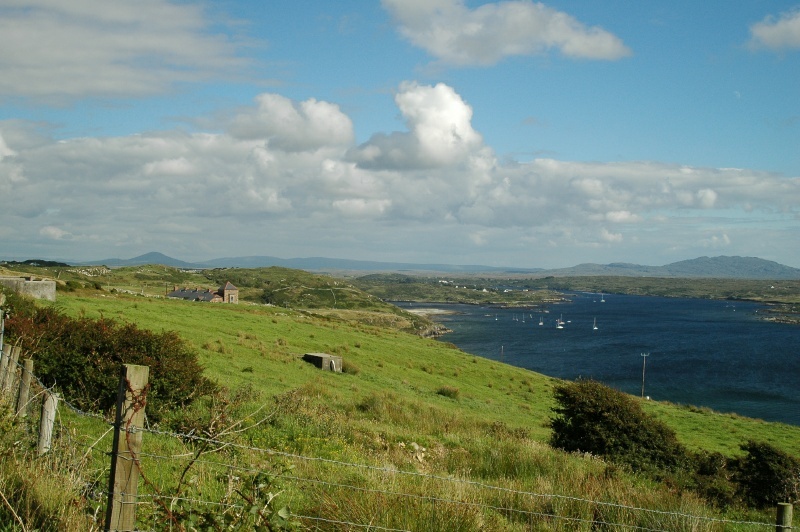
point(95, 444)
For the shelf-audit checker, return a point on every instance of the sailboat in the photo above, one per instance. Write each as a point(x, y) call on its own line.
point(541, 321)
point(602, 299)
point(560, 322)
point(595, 324)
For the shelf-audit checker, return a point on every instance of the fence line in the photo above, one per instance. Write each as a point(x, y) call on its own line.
point(407, 495)
point(442, 478)
point(194, 457)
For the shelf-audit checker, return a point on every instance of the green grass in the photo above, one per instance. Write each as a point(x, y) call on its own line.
point(410, 405)
point(269, 342)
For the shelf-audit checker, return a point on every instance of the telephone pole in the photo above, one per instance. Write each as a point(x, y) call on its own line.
point(644, 363)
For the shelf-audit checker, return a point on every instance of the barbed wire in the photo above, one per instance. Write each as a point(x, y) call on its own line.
point(433, 499)
point(52, 390)
point(129, 430)
point(474, 483)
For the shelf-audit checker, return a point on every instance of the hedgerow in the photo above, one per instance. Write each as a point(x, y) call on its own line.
point(82, 357)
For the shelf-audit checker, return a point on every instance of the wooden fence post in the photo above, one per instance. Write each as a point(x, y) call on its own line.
point(49, 407)
point(124, 476)
point(783, 520)
point(5, 356)
point(24, 388)
point(11, 370)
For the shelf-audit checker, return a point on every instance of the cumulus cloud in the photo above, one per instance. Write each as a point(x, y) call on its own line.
point(777, 33)
point(108, 49)
point(294, 126)
point(457, 35)
point(439, 133)
point(255, 188)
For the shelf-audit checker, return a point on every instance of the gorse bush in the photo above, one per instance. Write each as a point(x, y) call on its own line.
point(82, 358)
point(593, 418)
point(767, 475)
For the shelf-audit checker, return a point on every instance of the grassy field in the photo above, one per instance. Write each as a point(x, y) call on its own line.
point(406, 404)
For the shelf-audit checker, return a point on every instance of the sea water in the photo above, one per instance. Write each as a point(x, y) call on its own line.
point(718, 354)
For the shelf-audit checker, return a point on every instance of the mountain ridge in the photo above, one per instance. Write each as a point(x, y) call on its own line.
point(732, 267)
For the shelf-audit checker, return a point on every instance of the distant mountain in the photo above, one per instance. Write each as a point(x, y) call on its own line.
point(702, 267)
point(328, 264)
point(148, 258)
point(706, 267)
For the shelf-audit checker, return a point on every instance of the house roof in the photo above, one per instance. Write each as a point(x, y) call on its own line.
point(193, 294)
point(228, 286)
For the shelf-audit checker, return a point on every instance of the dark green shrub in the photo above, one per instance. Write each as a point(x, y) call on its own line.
point(713, 480)
point(70, 286)
point(593, 418)
point(82, 358)
point(767, 475)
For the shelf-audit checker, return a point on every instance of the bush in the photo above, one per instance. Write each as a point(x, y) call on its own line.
point(83, 356)
point(712, 478)
point(767, 475)
point(593, 418)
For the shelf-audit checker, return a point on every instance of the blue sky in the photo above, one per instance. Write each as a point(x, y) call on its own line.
point(500, 133)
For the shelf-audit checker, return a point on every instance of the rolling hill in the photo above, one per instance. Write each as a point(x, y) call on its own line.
point(728, 267)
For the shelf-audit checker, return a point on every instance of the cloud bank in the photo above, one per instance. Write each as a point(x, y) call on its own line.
point(58, 51)
point(284, 177)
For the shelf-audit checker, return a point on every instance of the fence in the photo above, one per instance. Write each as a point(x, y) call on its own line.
point(190, 478)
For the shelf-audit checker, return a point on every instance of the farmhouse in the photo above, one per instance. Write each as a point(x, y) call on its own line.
point(224, 294)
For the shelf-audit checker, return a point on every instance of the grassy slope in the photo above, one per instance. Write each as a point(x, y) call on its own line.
point(493, 431)
point(270, 340)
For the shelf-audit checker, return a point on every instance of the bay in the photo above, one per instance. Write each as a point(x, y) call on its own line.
point(709, 353)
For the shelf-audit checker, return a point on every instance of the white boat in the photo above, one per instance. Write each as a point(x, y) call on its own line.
point(594, 326)
point(560, 322)
point(541, 321)
point(602, 299)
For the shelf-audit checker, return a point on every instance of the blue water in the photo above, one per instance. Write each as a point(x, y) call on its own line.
point(718, 354)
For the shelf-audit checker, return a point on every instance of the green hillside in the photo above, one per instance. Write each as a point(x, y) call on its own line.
point(405, 405)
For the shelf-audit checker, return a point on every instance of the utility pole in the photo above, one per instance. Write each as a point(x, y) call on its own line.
point(644, 363)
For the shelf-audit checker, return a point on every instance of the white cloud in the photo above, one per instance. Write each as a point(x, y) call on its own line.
point(434, 189)
point(608, 236)
point(778, 33)
point(715, 241)
point(5, 151)
point(292, 126)
point(360, 207)
point(59, 51)
point(707, 198)
point(440, 132)
point(622, 217)
point(54, 233)
point(457, 35)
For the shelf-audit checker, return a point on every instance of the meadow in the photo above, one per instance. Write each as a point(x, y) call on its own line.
point(462, 439)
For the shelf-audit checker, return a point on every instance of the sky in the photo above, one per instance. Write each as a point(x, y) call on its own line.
point(513, 133)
